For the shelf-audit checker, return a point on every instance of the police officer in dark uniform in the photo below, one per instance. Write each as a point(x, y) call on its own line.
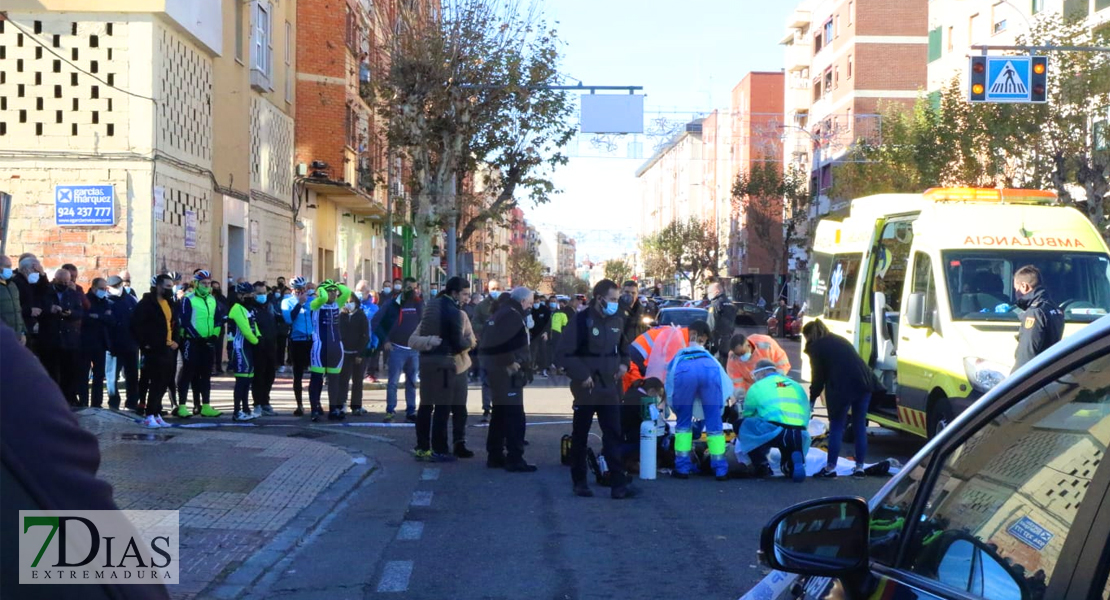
point(594, 354)
point(633, 311)
point(506, 358)
point(722, 320)
point(1042, 321)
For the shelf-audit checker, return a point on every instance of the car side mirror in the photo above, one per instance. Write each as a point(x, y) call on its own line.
point(825, 538)
point(916, 310)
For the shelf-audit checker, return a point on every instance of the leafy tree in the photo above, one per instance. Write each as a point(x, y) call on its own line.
point(524, 268)
point(772, 205)
point(619, 270)
point(462, 89)
point(688, 248)
point(569, 285)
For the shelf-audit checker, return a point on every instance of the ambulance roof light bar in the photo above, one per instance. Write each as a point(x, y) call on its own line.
point(989, 195)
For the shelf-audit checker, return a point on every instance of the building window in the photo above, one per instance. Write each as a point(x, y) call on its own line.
point(836, 78)
point(837, 25)
point(851, 12)
point(972, 25)
point(1037, 6)
point(828, 31)
point(998, 27)
point(352, 31)
point(934, 44)
point(239, 33)
point(828, 81)
point(289, 75)
point(350, 123)
point(850, 63)
point(951, 37)
point(262, 46)
point(817, 42)
point(816, 89)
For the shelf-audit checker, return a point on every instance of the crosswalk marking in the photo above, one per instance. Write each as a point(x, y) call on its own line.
point(421, 498)
point(410, 531)
point(395, 576)
point(430, 474)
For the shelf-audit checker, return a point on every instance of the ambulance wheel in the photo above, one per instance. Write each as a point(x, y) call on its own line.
point(940, 416)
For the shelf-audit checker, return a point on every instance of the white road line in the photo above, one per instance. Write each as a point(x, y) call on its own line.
point(429, 474)
point(410, 531)
point(421, 499)
point(395, 576)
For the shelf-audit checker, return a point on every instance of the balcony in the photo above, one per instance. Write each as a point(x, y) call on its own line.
point(799, 55)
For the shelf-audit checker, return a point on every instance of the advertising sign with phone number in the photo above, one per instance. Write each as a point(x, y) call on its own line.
point(84, 205)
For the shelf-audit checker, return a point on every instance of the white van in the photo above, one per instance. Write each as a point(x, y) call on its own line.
point(939, 266)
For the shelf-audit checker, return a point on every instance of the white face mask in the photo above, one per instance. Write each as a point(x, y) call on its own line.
point(33, 278)
point(530, 322)
point(351, 306)
point(115, 292)
point(396, 288)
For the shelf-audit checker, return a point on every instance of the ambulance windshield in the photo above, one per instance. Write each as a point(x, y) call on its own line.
point(980, 283)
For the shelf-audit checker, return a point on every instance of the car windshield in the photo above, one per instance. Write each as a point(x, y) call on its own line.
point(980, 283)
point(682, 317)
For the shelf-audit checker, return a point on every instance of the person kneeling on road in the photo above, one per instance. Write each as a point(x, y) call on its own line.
point(776, 415)
point(697, 383)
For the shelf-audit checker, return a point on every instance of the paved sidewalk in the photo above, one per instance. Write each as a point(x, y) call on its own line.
point(236, 491)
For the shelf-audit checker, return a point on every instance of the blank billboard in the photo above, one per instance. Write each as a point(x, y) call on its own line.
point(612, 113)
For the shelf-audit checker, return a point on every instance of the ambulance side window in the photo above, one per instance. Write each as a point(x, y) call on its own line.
point(843, 276)
point(923, 281)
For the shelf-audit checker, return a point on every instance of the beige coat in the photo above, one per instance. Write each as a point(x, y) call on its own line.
point(422, 343)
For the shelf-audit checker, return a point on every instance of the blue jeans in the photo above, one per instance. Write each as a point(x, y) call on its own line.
point(838, 422)
point(402, 359)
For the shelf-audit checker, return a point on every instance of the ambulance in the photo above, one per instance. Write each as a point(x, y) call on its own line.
point(922, 285)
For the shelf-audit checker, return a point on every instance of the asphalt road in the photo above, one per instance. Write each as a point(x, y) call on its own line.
point(460, 530)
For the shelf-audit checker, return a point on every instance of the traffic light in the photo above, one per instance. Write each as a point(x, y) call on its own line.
point(977, 79)
point(1038, 79)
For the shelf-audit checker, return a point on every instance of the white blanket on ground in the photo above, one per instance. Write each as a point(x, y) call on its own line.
point(816, 460)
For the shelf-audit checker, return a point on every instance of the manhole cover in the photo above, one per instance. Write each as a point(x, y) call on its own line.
point(309, 434)
point(145, 437)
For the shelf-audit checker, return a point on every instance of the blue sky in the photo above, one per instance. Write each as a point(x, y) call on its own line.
point(687, 54)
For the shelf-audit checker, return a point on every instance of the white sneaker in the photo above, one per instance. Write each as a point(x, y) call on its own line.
point(258, 411)
point(161, 423)
point(245, 416)
point(151, 423)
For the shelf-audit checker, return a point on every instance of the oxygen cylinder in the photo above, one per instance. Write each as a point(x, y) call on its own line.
point(647, 450)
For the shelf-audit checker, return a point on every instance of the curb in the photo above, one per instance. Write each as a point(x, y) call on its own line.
point(259, 568)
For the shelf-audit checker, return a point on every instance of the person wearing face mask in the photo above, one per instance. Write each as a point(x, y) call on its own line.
point(442, 325)
point(33, 287)
point(153, 325)
point(400, 319)
point(776, 415)
point(722, 319)
point(505, 353)
point(594, 355)
point(75, 286)
point(369, 351)
point(327, 349)
point(125, 278)
point(295, 311)
point(745, 351)
point(243, 329)
point(697, 387)
point(60, 336)
point(124, 356)
point(354, 329)
point(632, 310)
point(200, 318)
point(540, 331)
point(559, 319)
point(1042, 321)
point(96, 342)
point(641, 350)
point(11, 311)
point(379, 360)
point(223, 305)
point(482, 314)
point(266, 351)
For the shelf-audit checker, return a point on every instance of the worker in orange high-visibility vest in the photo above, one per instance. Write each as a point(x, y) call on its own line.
point(640, 351)
point(745, 352)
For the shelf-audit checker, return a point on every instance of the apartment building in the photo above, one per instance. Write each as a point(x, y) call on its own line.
point(756, 123)
point(672, 181)
point(863, 55)
point(133, 137)
point(955, 26)
point(340, 150)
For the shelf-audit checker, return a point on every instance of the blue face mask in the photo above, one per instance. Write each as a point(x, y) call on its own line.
point(6, 273)
point(102, 294)
point(260, 298)
point(611, 308)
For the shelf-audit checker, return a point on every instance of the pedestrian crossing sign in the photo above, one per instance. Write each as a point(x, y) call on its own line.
point(1009, 79)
